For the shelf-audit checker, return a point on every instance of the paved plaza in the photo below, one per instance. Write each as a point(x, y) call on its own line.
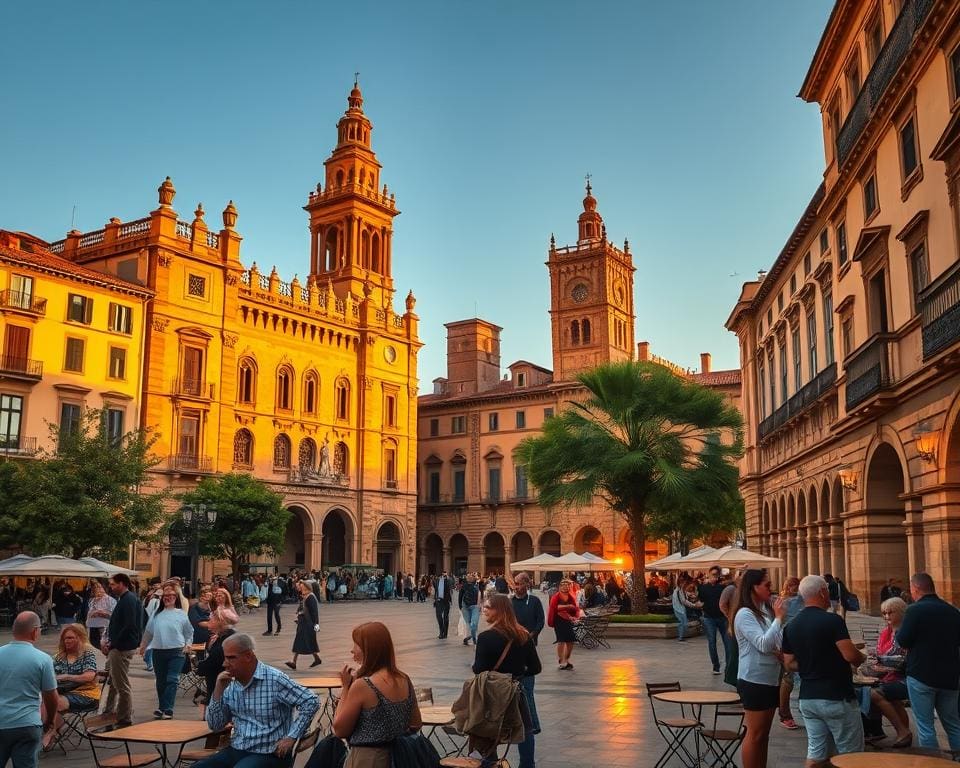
point(596, 715)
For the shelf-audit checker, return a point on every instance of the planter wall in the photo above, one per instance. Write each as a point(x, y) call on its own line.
point(651, 631)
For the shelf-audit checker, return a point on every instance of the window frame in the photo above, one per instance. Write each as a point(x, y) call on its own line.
point(458, 425)
point(74, 424)
point(111, 350)
point(870, 183)
point(120, 318)
point(493, 421)
point(66, 354)
point(521, 419)
point(908, 180)
point(86, 309)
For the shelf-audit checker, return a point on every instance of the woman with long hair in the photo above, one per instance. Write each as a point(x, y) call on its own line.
point(169, 635)
point(75, 665)
point(758, 628)
point(371, 715)
point(308, 624)
point(98, 612)
point(561, 614)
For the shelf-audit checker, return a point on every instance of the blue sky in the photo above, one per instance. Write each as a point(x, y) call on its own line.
point(486, 118)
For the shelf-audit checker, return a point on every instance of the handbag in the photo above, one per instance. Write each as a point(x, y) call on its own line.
point(851, 602)
point(330, 752)
point(67, 686)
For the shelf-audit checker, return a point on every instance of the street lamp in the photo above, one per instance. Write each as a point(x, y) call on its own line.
point(197, 518)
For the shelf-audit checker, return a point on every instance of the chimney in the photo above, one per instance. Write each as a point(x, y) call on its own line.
point(643, 351)
point(704, 362)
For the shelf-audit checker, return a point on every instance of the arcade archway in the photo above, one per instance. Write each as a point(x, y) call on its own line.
point(388, 547)
point(337, 537)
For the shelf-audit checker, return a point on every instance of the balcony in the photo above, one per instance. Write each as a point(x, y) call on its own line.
point(940, 313)
point(18, 445)
point(188, 387)
point(443, 499)
point(187, 462)
point(521, 496)
point(492, 498)
point(16, 367)
point(887, 65)
point(869, 369)
point(23, 302)
point(810, 393)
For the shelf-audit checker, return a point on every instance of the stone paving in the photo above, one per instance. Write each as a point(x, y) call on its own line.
point(596, 715)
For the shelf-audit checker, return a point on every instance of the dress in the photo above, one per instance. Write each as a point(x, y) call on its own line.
point(378, 726)
point(308, 616)
point(563, 611)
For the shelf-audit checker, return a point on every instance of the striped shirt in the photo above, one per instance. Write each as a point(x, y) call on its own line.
point(262, 710)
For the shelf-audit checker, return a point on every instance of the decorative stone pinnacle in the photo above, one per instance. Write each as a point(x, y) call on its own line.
point(198, 214)
point(411, 301)
point(230, 216)
point(166, 193)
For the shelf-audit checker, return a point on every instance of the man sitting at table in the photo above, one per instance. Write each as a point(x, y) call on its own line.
point(260, 702)
point(817, 644)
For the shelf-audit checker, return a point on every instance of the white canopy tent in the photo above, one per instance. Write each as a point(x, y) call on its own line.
point(542, 562)
point(109, 569)
point(586, 562)
point(678, 561)
point(733, 557)
point(51, 565)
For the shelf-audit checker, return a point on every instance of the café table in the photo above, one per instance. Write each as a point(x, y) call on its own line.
point(159, 733)
point(697, 700)
point(889, 760)
point(436, 717)
point(329, 684)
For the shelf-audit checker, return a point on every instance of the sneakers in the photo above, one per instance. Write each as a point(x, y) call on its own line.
point(158, 714)
point(789, 723)
point(266, 634)
point(716, 671)
point(167, 715)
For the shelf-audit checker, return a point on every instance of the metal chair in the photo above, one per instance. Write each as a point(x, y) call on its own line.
point(213, 744)
point(674, 730)
point(424, 695)
point(723, 743)
point(78, 722)
point(124, 757)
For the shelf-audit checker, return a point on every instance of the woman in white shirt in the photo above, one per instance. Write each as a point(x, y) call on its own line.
point(98, 612)
point(169, 635)
point(758, 628)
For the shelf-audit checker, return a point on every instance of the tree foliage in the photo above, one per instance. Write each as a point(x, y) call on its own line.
point(86, 497)
point(251, 519)
point(647, 441)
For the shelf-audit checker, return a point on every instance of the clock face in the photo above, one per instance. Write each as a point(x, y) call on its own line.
point(389, 353)
point(579, 293)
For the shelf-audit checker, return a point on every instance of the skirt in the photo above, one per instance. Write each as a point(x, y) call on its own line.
point(305, 640)
point(563, 629)
point(368, 757)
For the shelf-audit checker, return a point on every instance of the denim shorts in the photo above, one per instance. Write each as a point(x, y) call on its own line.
point(831, 723)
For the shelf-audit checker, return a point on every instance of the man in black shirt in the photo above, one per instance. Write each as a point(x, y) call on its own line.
point(529, 611)
point(713, 619)
point(931, 633)
point(121, 640)
point(442, 595)
point(66, 606)
point(817, 644)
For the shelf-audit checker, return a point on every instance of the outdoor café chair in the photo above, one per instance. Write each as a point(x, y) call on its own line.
point(123, 758)
point(723, 743)
point(674, 730)
point(213, 744)
point(591, 631)
point(78, 722)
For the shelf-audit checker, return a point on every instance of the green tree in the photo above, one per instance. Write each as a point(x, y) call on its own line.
point(251, 518)
point(645, 440)
point(696, 517)
point(88, 496)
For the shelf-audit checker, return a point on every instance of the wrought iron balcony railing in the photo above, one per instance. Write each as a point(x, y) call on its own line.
point(25, 302)
point(810, 393)
point(940, 313)
point(18, 445)
point(192, 388)
point(870, 368)
point(191, 463)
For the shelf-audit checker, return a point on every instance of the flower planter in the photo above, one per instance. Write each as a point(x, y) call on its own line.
point(651, 631)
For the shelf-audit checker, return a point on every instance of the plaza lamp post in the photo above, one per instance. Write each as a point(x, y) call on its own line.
point(196, 519)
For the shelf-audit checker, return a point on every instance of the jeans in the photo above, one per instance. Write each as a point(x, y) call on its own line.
point(527, 746)
point(167, 665)
point(711, 627)
point(923, 700)
point(148, 658)
point(471, 616)
point(21, 746)
point(237, 758)
point(681, 624)
point(830, 723)
point(273, 609)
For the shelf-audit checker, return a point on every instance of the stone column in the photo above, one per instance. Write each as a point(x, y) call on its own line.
point(837, 548)
point(313, 547)
point(791, 552)
point(446, 564)
point(801, 552)
point(825, 549)
point(507, 558)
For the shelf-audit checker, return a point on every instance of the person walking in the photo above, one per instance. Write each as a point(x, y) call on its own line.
point(26, 679)
point(681, 604)
point(308, 624)
point(758, 629)
point(817, 645)
point(169, 634)
point(274, 598)
point(561, 615)
point(442, 597)
point(469, 603)
point(124, 633)
point(529, 612)
point(98, 612)
point(794, 606)
point(714, 622)
point(930, 632)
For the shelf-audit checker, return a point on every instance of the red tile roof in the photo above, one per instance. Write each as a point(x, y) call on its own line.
point(718, 378)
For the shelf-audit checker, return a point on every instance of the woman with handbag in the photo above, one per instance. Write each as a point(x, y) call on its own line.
point(378, 703)
point(75, 665)
point(889, 696)
point(308, 624)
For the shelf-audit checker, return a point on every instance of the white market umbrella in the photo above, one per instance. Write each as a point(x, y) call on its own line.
point(574, 562)
point(677, 561)
point(109, 569)
point(735, 557)
point(542, 562)
point(51, 565)
point(21, 558)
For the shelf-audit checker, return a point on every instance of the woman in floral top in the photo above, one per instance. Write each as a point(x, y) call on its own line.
point(889, 696)
point(75, 665)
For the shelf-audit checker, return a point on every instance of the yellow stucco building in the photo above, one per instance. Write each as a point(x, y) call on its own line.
point(310, 386)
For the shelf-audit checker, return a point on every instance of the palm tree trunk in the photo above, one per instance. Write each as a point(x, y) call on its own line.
point(638, 593)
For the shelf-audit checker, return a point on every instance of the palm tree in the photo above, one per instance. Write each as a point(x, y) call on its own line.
point(644, 439)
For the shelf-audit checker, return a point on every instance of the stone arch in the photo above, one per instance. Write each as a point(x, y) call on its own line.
point(625, 548)
point(281, 451)
point(782, 514)
point(494, 554)
point(375, 261)
point(247, 380)
point(364, 246)
point(433, 555)
point(549, 542)
point(298, 532)
point(791, 512)
point(338, 535)
point(459, 554)
point(331, 254)
point(588, 539)
point(838, 561)
point(285, 377)
point(521, 546)
point(307, 455)
point(883, 523)
point(388, 545)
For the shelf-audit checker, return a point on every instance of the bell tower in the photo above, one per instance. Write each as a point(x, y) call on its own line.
point(351, 216)
point(591, 297)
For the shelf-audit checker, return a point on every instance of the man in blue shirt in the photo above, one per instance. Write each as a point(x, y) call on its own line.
point(260, 702)
point(26, 677)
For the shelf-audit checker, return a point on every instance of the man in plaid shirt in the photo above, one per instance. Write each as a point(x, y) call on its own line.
point(260, 702)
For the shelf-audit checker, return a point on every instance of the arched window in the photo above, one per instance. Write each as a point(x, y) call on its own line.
point(365, 249)
point(281, 452)
point(585, 327)
point(390, 465)
point(243, 449)
point(247, 382)
point(575, 332)
point(341, 459)
point(310, 388)
point(375, 253)
point(342, 399)
point(340, 178)
point(285, 389)
point(332, 257)
point(307, 459)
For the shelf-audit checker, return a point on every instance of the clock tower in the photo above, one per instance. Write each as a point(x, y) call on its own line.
point(591, 298)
